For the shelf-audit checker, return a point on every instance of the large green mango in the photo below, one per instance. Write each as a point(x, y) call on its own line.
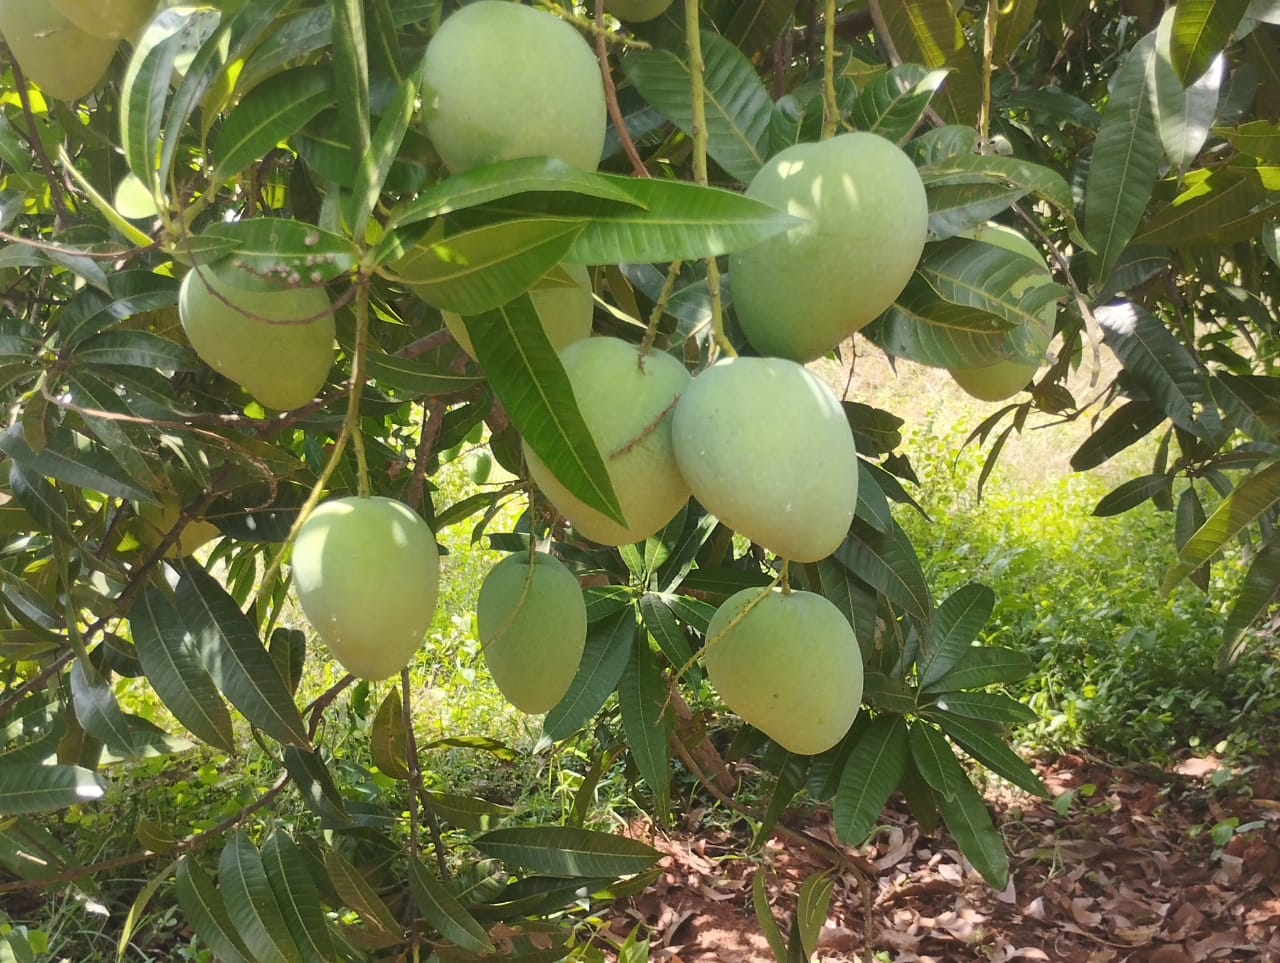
point(789, 664)
point(766, 448)
point(800, 293)
point(367, 574)
point(58, 57)
point(532, 621)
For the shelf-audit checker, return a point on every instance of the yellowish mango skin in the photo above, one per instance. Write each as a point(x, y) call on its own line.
point(501, 81)
point(627, 408)
point(276, 344)
point(865, 221)
point(154, 522)
point(58, 57)
point(106, 18)
point(367, 574)
point(532, 620)
point(564, 304)
point(765, 447)
point(790, 666)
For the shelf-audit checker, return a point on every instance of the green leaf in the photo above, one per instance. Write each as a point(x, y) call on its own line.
point(443, 911)
point(856, 601)
point(765, 917)
point(251, 903)
point(1257, 138)
point(138, 348)
point(812, 905)
point(873, 770)
point(269, 115)
point(955, 625)
point(1250, 499)
point(1012, 174)
point(99, 714)
point(982, 666)
point(566, 851)
point(387, 140)
point(983, 742)
point(889, 564)
point(315, 785)
point(481, 269)
point(236, 659)
point(642, 697)
point(1257, 590)
point(298, 897)
point(1215, 207)
point(207, 913)
point(72, 459)
point(1126, 159)
point(467, 812)
point(756, 24)
point(280, 248)
point(416, 378)
point(934, 760)
point(610, 643)
point(677, 221)
point(894, 103)
point(1126, 426)
point(1184, 114)
point(30, 788)
point(356, 893)
point(986, 706)
point(927, 32)
point(42, 502)
point(528, 378)
point(737, 105)
point(1131, 494)
point(983, 277)
point(660, 622)
point(350, 53)
point(1201, 28)
point(388, 744)
point(970, 823)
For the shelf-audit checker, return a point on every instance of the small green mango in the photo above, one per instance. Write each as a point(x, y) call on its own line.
point(367, 574)
point(532, 621)
point(790, 666)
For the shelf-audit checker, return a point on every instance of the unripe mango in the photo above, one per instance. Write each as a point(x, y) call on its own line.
point(367, 574)
point(105, 18)
point(57, 56)
point(277, 344)
point(637, 11)
point(532, 621)
point(154, 522)
point(766, 448)
point(627, 404)
point(501, 81)
point(564, 304)
point(866, 218)
point(789, 664)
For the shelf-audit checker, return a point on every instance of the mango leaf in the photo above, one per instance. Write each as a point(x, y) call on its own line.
point(298, 897)
point(1200, 29)
point(1125, 426)
point(642, 697)
point(982, 666)
point(982, 741)
point(1125, 161)
point(1215, 207)
point(970, 823)
point(874, 769)
point(813, 903)
point(1184, 114)
point(887, 562)
point(415, 377)
point(269, 115)
point(205, 910)
point(955, 625)
point(1131, 494)
point(315, 785)
point(467, 812)
point(350, 52)
point(927, 32)
point(251, 903)
point(32, 788)
point(442, 910)
point(100, 715)
point(893, 104)
point(934, 760)
point(982, 277)
point(661, 623)
point(387, 140)
point(1258, 138)
point(923, 327)
point(1242, 507)
point(1257, 590)
point(986, 706)
point(284, 251)
point(1013, 174)
point(610, 644)
point(388, 744)
point(137, 348)
point(356, 893)
point(478, 270)
point(566, 851)
point(764, 916)
point(757, 23)
point(738, 107)
point(856, 601)
point(68, 458)
point(235, 657)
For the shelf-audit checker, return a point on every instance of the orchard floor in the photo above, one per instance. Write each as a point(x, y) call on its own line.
point(1130, 874)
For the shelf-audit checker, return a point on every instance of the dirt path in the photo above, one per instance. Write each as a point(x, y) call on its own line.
point(1133, 872)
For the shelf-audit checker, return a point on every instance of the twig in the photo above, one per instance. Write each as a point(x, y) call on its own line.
point(432, 422)
point(830, 106)
point(417, 790)
point(611, 98)
point(37, 146)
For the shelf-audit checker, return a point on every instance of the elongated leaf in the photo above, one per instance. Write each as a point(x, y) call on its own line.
point(737, 105)
point(387, 140)
point(270, 114)
point(610, 643)
point(661, 623)
point(443, 911)
point(1215, 207)
point(757, 23)
point(138, 348)
point(351, 75)
point(1126, 159)
point(1253, 496)
point(813, 902)
point(893, 104)
point(528, 378)
point(71, 459)
point(251, 903)
point(677, 221)
point(982, 666)
point(236, 659)
point(30, 788)
point(642, 696)
point(1200, 29)
point(467, 812)
point(984, 277)
point(1131, 494)
point(934, 760)
point(298, 897)
point(1184, 114)
point(388, 744)
point(983, 742)
point(414, 377)
point(872, 772)
point(1258, 138)
point(986, 706)
point(479, 270)
point(360, 896)
point(41, 502)
point(970, 823)
point(1126, 426)
point(857, 602)
point(207, 913)
point(566, 851)
point(1257, 591)
point(764, 916)
point(927, 32)
point(955, 625)
point(888, 563)
point(284, 250)
point(315, 785)
point(98, 711)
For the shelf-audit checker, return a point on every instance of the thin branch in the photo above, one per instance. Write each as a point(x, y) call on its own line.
point(611, 98)
point(37, 147)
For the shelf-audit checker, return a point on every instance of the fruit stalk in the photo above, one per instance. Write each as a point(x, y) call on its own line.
point(352, 424)
point(830, 106)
